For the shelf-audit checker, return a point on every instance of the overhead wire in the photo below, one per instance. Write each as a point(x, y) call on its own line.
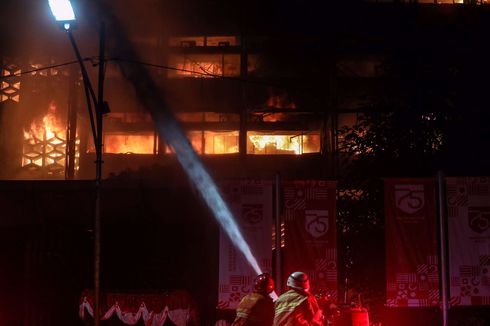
point(26, 72)
point(94, 59)
point(91, 59)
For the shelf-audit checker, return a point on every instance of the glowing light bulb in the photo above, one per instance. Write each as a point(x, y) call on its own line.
point(62, 10)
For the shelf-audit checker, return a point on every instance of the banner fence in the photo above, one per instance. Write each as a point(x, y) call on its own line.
point(309, 215)
point(468, 201)
point(250, 202)
point(412, 264)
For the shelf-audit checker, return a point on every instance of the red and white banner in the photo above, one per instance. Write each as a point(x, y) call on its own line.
point(468, 202)
point(148, 309)
point(309, 215)
point(412, 266)
point(250, 202)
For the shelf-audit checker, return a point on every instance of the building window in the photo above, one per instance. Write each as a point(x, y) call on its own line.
point(130, 143)
point(189, 117)
point(127, 133)
point(123, 142)
point(220, 142)
point(213, 142)
point(204, 65)
point(283, 142)
point(366, 67)
point(215, 41)
point(132, 133)
point(211, 132)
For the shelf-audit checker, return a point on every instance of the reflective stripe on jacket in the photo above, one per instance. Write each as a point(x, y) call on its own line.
point(255, 309)
point(294, 308)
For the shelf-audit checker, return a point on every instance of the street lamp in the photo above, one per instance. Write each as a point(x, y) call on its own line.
point(62, 11)
point(64, 14)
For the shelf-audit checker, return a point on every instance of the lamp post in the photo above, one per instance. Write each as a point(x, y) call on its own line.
point(64, 14)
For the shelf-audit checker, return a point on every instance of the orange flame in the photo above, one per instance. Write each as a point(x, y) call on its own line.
point(125, 144)
point(50, 128)
point(45, 143)
point(277, 142)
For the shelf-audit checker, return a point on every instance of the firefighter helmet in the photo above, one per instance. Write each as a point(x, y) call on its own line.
point(264, 283)
point(299, 281)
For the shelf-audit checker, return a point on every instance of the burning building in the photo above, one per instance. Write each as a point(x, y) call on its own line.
point(222, 115)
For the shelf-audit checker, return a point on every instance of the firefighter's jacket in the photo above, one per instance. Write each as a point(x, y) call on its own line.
point(255, 309)
point(297, 308)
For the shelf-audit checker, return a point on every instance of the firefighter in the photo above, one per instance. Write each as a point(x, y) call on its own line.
point(297, 306)
point(257, 308)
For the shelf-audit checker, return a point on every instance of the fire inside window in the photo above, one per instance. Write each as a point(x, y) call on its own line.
point(204, 141)
point(44, 149)
point(210, 142)
point(204, 65)
point(283, 142)
point(214, 142)
point(219, 142)
point(207, 135)
point(140, 143)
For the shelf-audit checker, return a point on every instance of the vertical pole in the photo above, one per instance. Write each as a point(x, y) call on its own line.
point(96, 127)
point(89, 92)
point(333, 135)
point(443, 246)
point(100, 102)
point(333, 115)
point(98, 149)
point(27, 295)
point(242, 135)
point(277, 201)
point(346, 285)
point(71, 130)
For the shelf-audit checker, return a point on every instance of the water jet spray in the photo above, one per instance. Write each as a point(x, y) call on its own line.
point(153, 100)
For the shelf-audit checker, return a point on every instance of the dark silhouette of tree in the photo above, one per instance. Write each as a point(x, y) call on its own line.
point(432, 117)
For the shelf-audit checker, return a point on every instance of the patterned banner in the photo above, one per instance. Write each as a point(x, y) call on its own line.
point(310, 233)
point(412, 272)
point(250, 201)
point(469, 240)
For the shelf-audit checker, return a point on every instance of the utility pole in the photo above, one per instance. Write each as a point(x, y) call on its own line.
point(443, 247)
point(71, 130)
point(65, 16)
point(278, 225)
point(98, 176)
point(242, 134)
